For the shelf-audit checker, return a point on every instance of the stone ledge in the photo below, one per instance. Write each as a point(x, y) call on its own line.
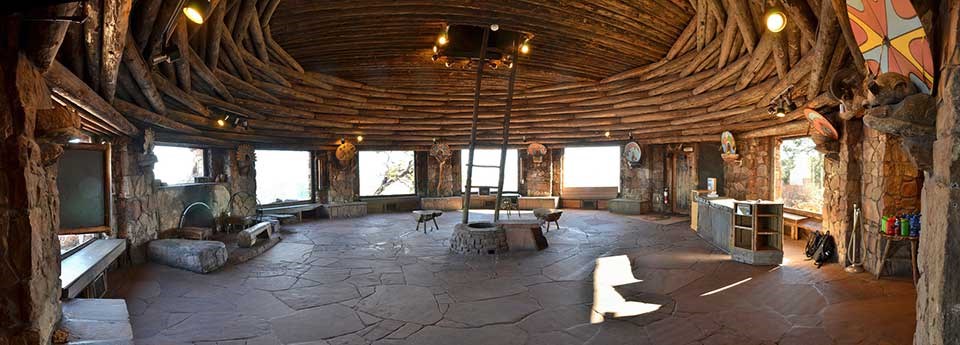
point(628, 206)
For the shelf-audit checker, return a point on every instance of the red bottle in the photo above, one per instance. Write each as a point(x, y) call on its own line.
point(890, 228)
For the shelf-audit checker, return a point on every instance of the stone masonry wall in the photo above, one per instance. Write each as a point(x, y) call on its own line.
point(144, 209)
point(343, 179)
point(447, 182)
point(841, 190)
point(537, 179)
point(751, 178)
point(938, 291)
point(29, 206)
point(890, 187)
point(645, 183)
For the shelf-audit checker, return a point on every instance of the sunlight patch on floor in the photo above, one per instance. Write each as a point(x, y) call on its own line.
point(610, 272)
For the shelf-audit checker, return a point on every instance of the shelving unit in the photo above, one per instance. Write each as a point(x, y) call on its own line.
point(757, 232)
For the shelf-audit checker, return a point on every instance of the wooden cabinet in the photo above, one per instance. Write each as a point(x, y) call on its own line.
point(756, 232)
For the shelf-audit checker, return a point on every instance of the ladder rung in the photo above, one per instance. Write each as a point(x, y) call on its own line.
point(484, 166)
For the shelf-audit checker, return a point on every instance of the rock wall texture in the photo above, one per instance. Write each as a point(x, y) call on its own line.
point(443, 178)
point(890, 186)
point(556, 164)
point(145, 209)
point(342, 179)
point(29, 208)
point(751, 178)
point(645, 183)
point(938, 292)
point(841, 189)
point(536, 178)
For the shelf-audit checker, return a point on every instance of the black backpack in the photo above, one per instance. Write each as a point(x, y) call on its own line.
point(821, 248)
point(812, 243)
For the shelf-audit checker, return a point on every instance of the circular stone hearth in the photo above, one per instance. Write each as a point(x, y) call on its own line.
point(481, 238)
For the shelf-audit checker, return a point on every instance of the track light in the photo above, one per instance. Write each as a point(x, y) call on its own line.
point(775, 19)
point(223, 121)
point(196, 10)
point(606, 134)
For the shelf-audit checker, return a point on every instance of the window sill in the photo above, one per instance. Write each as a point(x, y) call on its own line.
point(388, 197)
point(81, 268)
point(188, 185)
point(808, 214)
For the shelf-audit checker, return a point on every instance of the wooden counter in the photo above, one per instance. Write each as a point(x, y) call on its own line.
point(714, 219)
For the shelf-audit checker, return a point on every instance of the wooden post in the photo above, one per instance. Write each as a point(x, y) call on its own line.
point(506, 132)
point(473, 126)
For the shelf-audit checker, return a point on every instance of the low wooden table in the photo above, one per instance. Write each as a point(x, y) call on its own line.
point(914, 241)
point(424, 216)
point(792, 221)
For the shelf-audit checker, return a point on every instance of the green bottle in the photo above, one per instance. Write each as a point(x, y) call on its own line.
point(904, 227)
point(883, 225)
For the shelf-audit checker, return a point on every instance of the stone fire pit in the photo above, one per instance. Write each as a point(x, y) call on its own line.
point(480, 238)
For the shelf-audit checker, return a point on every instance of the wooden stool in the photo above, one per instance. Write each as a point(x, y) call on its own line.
point(424, 216)
point(507, 205)
point(914, 241)
point(548, 215)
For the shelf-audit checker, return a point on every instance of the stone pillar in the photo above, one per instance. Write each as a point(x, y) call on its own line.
point(645, 182)
point(750, 178)
point(537, 179)
point(842, 185)
point(29, 208)
point(938, 292)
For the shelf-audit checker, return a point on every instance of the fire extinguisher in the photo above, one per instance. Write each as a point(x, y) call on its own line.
point(666, 196)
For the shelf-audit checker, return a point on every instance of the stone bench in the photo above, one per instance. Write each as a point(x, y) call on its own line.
point(535, 202)
point(191, 255)
point(343, 210)
point(449, 203)
point(96, 321)
point(628, 206)
point(248, 237)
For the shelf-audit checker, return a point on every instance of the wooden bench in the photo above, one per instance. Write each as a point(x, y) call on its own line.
point(83, 267)
point(810, 225)
point(294, 210)
point(792, 221)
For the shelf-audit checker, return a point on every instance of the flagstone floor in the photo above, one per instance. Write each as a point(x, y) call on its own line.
point(375, 280)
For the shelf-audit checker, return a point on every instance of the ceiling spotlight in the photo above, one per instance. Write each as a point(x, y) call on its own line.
point(435, 57)
point(223, 121)
point(525, 47)
point(196, 10)
point(359, 138)
point(775, 19)
point(447, 64)
point(494, 27)
point(435, 49)
point(606, 134)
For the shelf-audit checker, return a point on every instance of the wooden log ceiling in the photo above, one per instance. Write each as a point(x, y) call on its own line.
point(304, 74)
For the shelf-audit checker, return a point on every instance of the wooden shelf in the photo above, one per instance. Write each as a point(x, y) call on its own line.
point(756, 227)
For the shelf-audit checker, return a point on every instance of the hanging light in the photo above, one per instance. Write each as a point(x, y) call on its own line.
point(196, 10)
point(525, 47)
point(359, 138)
point(775, 19)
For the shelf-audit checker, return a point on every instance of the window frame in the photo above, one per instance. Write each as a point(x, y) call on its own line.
point(67, 254)
point(107, 150)
point(619, 166)
point(206, 162)
point(777, 188)
point(415, 177)
point(465, 160)
point(312, 162)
